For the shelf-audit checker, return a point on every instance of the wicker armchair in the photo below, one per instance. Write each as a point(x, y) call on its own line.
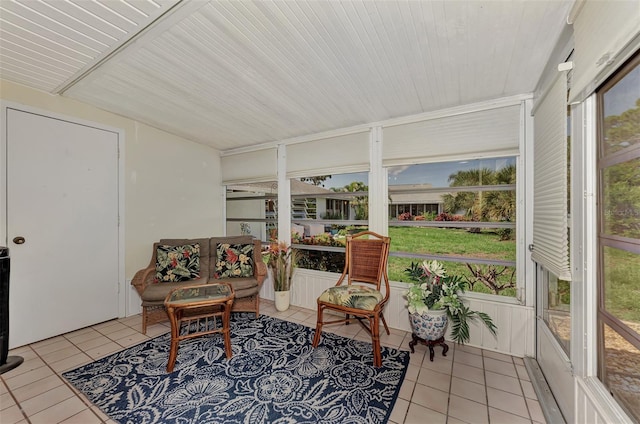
point(246, 290)
point(365, 262)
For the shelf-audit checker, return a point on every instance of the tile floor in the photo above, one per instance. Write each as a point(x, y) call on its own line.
point(469, 385)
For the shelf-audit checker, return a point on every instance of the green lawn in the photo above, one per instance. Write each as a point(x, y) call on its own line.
point(450, 241)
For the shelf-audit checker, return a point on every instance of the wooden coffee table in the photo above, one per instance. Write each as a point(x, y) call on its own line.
point(196, 311)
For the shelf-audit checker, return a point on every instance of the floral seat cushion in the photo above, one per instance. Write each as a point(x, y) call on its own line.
point(352, 296)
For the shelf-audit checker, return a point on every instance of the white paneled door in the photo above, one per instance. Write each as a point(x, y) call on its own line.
point(61, 225)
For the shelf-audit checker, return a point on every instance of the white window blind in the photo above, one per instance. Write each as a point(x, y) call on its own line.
point(485, 133)
point(606, 33)
point(550, 222)
point(255, 166)
point(335, 155)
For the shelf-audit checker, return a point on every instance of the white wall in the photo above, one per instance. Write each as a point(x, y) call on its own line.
point(172, 185)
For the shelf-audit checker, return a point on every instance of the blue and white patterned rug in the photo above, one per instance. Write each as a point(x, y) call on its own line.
point(274, 376)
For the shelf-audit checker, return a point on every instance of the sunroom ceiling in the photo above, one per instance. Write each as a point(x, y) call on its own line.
point(232, 73)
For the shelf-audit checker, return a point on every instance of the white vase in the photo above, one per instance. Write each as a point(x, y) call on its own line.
point(430, 325)
point(282, 299)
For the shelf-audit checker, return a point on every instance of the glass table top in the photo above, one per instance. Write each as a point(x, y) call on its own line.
point(201, 293)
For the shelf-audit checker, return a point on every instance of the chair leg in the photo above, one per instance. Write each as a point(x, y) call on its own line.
point(316, 336)
point(374, 322)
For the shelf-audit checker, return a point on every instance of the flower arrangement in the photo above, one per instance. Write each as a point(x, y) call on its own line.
point(433, 289)
point(282, 260)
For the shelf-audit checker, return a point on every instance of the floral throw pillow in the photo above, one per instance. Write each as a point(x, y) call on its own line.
point(234, 260)
point(177, 263)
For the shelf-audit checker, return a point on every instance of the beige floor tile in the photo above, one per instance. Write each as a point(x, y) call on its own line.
point(46, 400)
point(507, 402)
point(37, 387)
point(71, 362)
point(522, 373)
point(535, 412)
point(93, 343)
point(469, 390)
point(11, 415)
point(45, 342)
point(392, 340)
point(132, 321)
point(59, 412)
point(466, 358)
point(84, 417)
point(503, 382)
point(113, 328)
point(440, 364)
point(412, 372)
point(27, 366)
point(498, 356)
point(418, 414)
point(61, 354)
point(399, 411)
point(434, 379)
point(500, 367)
point(417, 357)
point(518, 361)
point(124, 332)
point(156, 330)
point(105, 324)
point(56, 344)
point(406, 389)
point(470, 373)
point(83, 336)
point(3, 388)
point(453, 420)
point(103, 350)
point(467, 348)
point(468, 410)
point(430, 398)
point(28, 377)
point(6, 401)
point(501, 417)
point(528, 390)
point(133, 339)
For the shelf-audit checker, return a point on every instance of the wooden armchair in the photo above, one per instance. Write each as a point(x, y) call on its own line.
point(365, 263)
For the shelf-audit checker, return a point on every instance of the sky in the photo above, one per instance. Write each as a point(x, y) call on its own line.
point(436, 174)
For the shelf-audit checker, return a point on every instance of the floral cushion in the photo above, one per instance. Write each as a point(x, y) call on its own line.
point(234, 260)
point(177, 263)
point(359, 297)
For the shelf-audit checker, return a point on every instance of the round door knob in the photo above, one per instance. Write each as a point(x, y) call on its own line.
point(19, 240)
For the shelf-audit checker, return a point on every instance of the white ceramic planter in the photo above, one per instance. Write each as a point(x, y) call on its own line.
point(282, 299)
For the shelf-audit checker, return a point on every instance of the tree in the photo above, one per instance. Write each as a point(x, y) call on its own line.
point(622, 181)
point(483, 205)
point(316, 181)
point(360, 204)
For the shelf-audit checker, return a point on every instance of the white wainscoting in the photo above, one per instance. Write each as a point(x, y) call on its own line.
point(595, 405)
point(515, 322)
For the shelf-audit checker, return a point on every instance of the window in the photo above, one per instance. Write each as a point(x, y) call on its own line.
point(619, 235)
point(252, 209)
point(324, 210)
point(462, 213)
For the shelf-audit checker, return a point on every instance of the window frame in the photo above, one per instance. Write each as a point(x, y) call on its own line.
point(603, 240)
point(516, 225)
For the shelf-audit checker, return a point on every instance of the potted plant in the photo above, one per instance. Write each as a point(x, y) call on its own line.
point(434, 298)
point(281, 260)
